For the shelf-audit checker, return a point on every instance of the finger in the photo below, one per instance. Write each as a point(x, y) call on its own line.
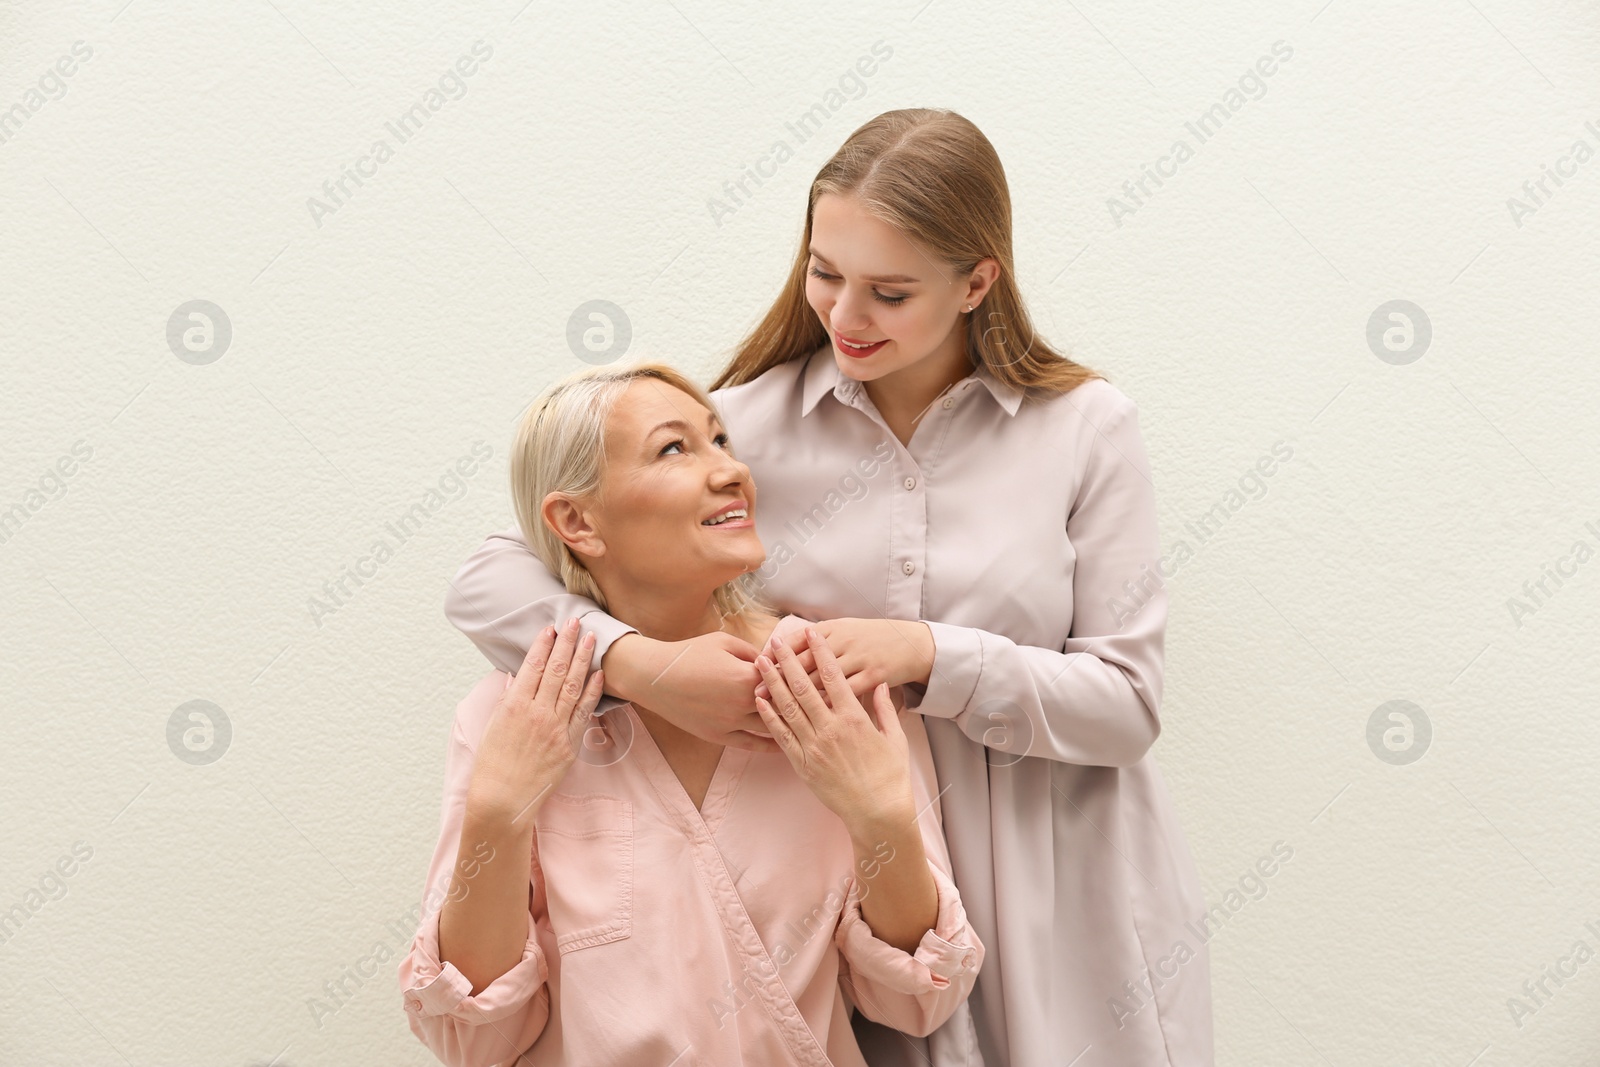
point(784, 700)
point(888, 715)
point(741, 648)
point(794, 639)
point(752, 742)
point(557, 666)
point(589, 699)
point(577, 677)
point(800, 684)
point(781, 734)
point(828, 671)
point(861, 685)
point(525, 683)
point(582, 716)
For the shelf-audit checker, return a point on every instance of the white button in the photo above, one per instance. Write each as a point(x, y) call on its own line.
point(909, 567)
point(949, 401)
point(911, 483)
point(969, 959)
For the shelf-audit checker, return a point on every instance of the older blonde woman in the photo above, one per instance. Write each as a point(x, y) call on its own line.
point(625, 892)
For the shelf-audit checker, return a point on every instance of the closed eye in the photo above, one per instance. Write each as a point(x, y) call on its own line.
point(815, 273)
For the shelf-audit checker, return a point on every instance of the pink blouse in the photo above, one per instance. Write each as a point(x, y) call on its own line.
point(1023, 531)
point(661, 934)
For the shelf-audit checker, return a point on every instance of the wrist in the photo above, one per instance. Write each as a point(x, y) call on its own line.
point(919, 659)
point(870, 827)
point(496, 816)
point(622, 662)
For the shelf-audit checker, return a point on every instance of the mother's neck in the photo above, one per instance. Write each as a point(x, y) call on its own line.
point(665, 614)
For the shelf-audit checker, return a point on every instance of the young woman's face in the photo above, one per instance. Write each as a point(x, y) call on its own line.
point(868, 283)
point(670, 469)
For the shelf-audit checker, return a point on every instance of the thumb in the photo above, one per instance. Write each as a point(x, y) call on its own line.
point(736, 646)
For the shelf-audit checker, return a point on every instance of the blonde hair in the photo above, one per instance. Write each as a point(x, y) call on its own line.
point(559, 447)
point(934, 176)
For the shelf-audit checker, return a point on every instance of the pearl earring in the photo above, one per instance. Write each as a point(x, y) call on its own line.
point(968, 308)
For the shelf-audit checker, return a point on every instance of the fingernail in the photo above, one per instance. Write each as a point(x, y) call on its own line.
point(763, 663)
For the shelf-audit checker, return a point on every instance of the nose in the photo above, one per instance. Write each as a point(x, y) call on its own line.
point(730, 472)
point(849, 313)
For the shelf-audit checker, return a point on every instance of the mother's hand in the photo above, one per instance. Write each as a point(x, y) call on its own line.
point(859, 768)
point(870, 651)
point(533, 736)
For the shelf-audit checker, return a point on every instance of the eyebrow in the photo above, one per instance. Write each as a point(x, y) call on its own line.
point(679, 424)
point(891, 279)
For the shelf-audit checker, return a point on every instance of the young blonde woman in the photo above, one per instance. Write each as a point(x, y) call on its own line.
point(672, 901)
point(972, 513)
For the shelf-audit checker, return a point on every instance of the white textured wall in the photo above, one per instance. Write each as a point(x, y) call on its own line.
point(371, 353)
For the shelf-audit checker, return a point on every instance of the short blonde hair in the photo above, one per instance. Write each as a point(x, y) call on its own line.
point(559, 447)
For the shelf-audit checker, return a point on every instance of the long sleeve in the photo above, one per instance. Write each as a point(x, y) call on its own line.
point(503, 595)
point(912, 992)
point(1096, 701)
point(505, 1018)
point(915, 992)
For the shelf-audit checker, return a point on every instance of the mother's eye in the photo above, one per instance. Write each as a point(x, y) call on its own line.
point(721, 438)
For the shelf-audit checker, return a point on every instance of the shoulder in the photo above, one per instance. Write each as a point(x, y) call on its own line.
point(476, 708)
point(1094, 402)
point(772, 396)
point(1092, 423)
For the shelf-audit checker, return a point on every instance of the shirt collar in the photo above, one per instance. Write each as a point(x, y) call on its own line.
point(822, 375)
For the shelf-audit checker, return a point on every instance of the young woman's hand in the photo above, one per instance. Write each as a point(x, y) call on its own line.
point(536, 729)
point(870, 651)
point(857, 764)
point(702, 685)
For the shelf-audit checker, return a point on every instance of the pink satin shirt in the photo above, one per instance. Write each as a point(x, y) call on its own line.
point(662, 934)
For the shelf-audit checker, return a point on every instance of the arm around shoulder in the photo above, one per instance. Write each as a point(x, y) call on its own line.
point(503, 595)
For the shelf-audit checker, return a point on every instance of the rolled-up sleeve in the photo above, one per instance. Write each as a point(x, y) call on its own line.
point(503, 595)
point(507, 1016)
point(915, 992)
point(496, 1026)
point(911, 991)
point(1097, 700)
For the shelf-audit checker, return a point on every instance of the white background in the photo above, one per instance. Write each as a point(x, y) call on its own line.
point(372, 351)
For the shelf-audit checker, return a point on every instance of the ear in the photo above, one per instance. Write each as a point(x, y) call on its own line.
point(983, 276)
point(573, 524)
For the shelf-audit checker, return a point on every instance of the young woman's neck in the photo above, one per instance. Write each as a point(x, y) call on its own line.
point(903, 396)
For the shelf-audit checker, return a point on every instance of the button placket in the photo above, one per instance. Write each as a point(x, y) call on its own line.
point(900, 601)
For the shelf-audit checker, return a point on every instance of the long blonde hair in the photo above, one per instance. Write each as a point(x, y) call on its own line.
point(559, 446)
point(934, 176)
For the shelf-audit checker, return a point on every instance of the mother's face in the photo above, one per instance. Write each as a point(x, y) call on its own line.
point(669, 471)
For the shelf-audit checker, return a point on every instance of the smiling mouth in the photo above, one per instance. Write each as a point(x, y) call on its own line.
point(735, 517)
point(852, 348)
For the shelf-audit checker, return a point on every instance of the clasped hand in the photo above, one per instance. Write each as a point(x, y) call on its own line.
point(857, 765)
